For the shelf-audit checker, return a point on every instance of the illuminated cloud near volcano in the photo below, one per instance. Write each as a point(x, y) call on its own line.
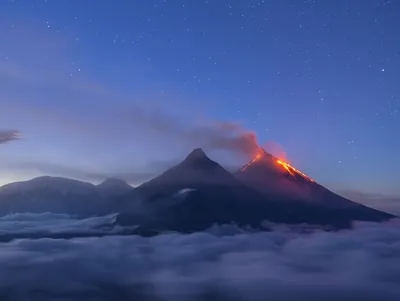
point(275, 149)
point(10, 135)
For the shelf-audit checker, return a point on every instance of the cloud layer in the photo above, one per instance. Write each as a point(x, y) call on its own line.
point(359, 264)
point(7, 136)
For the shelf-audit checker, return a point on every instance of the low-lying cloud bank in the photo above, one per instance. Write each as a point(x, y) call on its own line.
point(50, 223)
point(224, 263)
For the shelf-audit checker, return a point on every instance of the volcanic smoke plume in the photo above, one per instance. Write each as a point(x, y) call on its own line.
point(275, 149)
point(7, 136)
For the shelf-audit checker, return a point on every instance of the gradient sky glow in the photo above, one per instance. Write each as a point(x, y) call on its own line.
point(93, 85)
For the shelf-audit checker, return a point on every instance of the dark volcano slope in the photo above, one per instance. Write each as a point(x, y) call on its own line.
point(198, 193)
point(205, 206)
point(215, 196)
point(305, 198)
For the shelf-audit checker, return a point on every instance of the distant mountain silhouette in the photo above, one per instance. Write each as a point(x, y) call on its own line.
point(59, 195)
point(114, 187)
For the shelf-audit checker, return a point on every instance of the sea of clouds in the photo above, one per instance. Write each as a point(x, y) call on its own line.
point(223, 263)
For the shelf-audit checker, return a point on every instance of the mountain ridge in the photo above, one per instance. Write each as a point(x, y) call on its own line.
point(195, 194)
point(56, 195)
point(232, 200)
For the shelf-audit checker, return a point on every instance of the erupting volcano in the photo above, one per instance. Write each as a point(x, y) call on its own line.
point(265, 189)
point(260, 154)
point(278, 180)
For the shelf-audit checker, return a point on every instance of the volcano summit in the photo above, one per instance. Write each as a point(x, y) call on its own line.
point(278, 180)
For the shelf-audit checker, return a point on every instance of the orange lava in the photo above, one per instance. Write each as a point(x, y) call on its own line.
point(257, 157)
point(290, 169)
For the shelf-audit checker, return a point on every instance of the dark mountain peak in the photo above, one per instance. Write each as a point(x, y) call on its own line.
point(199, 160)
point(114, 187)
point(196, 154)
point(199, 164)
point(197, 170)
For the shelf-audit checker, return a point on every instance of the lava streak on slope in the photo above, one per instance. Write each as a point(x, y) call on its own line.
point(285, 166)
point(256, 158)
point(291, 170)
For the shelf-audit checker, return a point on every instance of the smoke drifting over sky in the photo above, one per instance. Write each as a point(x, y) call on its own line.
point(224, 263)
point(7, 136)
point(131, 134)
point(216, 136)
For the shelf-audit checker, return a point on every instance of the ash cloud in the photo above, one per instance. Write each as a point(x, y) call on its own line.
point(8, 136)
point(275, 149)
point(216, 135)
point(224, 263)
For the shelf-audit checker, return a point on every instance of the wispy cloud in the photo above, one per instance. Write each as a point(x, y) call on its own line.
point(9, 135)
point(51, 71)
point(98, 117)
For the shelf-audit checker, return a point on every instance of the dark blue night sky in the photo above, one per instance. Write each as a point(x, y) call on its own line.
point(102, 87)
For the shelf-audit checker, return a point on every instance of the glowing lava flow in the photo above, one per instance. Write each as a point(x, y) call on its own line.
point(290, 169)
point(285, 166)
point(256, 158)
